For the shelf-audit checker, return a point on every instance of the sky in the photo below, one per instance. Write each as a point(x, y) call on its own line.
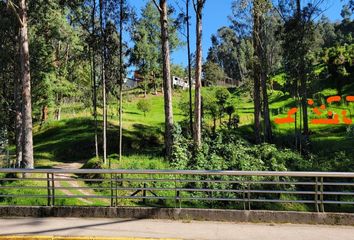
point(215, 15)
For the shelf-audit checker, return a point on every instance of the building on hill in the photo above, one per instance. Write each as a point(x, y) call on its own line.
point(181, 83)
point(228, 82)
point(130, 83)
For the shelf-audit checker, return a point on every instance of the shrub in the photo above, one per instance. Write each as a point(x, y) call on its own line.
point(93, 163)
point(144, 106)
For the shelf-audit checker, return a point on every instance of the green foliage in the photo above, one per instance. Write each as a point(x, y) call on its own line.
point(228, 151)
point(146, 54)
point(93, 163)
point(340, 65)
point(144, 106)
point(212, 73)
point(228, 56)
point(222, 95)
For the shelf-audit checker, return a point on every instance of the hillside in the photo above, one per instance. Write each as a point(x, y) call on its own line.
point(72, 138)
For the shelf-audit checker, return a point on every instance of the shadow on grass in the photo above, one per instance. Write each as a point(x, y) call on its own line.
point(72, 140)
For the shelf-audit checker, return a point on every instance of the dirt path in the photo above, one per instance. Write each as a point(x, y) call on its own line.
point(86, 192)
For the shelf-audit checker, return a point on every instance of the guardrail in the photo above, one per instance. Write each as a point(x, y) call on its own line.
point(315, 191)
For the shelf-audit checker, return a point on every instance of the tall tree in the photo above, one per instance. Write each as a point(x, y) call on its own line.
point(198, 7)
point(263, 7)
point(167, 84)
point(121, 69)
point(298, 43)
point(226, 51)
point(257, 70)
point(187, 17)
point(103, 79)
point(94, 72)
point(27, 149)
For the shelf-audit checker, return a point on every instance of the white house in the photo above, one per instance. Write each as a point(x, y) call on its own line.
point(182, 83)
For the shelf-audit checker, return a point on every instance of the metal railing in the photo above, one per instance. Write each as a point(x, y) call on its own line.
point(312, 191)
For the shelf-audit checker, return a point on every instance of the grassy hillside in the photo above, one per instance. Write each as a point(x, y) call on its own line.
point(72, 139)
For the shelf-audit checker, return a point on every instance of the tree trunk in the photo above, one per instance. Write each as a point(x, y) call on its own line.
point(302, 73)
point(266, 115)
point(94, 100)
point(44, 115)
point(18, 119)
point(198, 77)
point(189, 68)
point(166, 78)
point(27, 149)
point(264, 75)
point(103, 79)
point(256, 72)
point(304, 105)
point(58, 113)
point(121, 69)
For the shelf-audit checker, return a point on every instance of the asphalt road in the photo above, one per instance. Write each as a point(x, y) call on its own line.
point(170, 229)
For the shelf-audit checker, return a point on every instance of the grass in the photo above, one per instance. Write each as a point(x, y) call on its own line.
point(72, 139)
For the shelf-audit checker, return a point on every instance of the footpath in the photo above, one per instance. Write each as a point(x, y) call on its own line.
point(135, 229)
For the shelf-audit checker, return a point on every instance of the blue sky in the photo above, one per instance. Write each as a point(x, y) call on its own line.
point(216, 14)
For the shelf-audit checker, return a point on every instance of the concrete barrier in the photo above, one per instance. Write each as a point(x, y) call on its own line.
point(253, 216)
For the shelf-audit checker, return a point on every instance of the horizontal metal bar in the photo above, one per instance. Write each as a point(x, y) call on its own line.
point(175, 198)
point(338, 202)
point(338, 184)
point(82, 196)
point(282, 201)
point(214, 190)
point(184, 172)
point(245, 200)
point(246, 182)
point(24, 187)
point(23, 179)
point(23, 196)
point(339, 193)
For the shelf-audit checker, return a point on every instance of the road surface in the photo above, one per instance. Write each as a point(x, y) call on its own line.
point(162, 229)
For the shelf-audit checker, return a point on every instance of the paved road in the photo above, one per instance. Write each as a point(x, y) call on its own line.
point(170, 229)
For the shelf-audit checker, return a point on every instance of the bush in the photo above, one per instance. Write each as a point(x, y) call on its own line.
point(144, 106)
point(93, 163)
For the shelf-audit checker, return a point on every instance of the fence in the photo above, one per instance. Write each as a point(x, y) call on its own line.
point(315, 191)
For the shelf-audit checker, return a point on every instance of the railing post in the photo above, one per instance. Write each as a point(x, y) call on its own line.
point(53, 190)
point(48, 191)
point(176, 191)
point(111, 187)
point(249, 195)
point(316, 195)
point(243, 196)
point(322, 205)
point(144, 193)
point(116, 189)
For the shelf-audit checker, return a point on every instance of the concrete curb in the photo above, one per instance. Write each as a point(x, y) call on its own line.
point(181, 214)
point(76, 238)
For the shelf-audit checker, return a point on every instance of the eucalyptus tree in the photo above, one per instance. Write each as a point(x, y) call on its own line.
point(27, 140)
point(27, 137)
point(260, 9)
point(166, 66)
point(146, 53)
point(197, 131)
point(126, 15)
point(249, 19)
point(102, 5)
point(298, 42)
point(225, 51)
point(184, 17)
point(155, 37)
